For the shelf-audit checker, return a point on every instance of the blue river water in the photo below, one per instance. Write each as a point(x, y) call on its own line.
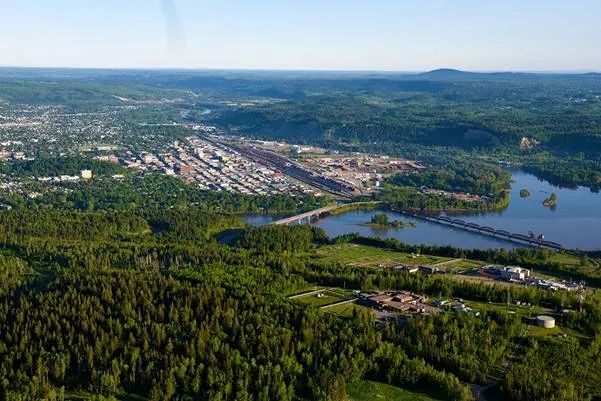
point(574, 223)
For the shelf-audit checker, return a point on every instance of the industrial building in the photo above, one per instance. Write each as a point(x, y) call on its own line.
point(546, 322)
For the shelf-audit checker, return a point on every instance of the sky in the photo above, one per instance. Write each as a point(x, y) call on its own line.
point(388, 35)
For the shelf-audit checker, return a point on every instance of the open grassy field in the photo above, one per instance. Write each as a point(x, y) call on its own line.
point(556, 333)
point(371, 391)
point(479, 279)
point(302, 289)
point(329, 296)
point(365, 256)
point(464, 264)
point(346, 310)
point(525, 311)
point(565, 259)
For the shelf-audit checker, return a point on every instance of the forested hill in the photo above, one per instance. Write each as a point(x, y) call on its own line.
point(532, 119)
point(112, 305)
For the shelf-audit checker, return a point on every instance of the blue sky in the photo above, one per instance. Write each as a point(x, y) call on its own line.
point(401, 35)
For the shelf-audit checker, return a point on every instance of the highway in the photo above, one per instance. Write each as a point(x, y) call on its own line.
point(306, 215)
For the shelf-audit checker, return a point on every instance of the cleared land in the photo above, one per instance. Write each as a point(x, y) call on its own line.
point(524, 311)
point(328, 296)
point(365, 256)
point(370, 391)
point(463, 264)
point(346, 310)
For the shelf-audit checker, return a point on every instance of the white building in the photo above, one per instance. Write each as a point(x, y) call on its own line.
point(514, 273)
point(86, 174)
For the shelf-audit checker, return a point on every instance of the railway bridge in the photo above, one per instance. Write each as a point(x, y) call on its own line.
point(313, 215)
point(485, 230)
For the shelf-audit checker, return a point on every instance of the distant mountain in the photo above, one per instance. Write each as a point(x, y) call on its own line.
point(450, 74)
point(447, 73)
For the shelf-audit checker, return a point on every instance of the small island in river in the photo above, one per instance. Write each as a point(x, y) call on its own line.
point(381, 220)
point(524, 193)
point(551, 201)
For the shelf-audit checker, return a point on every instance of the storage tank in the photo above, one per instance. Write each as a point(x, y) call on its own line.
point(547, 322)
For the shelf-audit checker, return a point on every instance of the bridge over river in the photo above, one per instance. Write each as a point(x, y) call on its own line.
point(317, 214)
point(484, 230)
point(314, 215)
point(307, 217)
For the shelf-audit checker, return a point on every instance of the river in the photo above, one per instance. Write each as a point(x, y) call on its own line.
point(574, 223)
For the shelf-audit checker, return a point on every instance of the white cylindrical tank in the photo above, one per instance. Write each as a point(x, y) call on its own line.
point(547, 322)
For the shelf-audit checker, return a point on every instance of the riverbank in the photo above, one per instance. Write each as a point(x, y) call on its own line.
point(574, 224)
point(366, 206)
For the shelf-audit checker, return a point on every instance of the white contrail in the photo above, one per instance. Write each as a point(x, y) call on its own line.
point(176, 40)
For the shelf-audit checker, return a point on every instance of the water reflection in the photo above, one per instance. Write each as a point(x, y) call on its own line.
point(575, 221)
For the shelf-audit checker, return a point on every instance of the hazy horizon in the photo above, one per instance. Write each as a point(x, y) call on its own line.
point(306, 70)
point(384, 36)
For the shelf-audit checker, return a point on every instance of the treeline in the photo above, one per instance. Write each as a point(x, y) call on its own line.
point(472, 177)
point(443, 341)
point(75, 93)
point(413, 199)
point(158, 191)
point(533, 258)
point(20, 225)
point(166, 339)
point(479, 118)
point(568, 173)
point(281, 238)
point(56, 166)
point(406, 191)
point(167, 313)
point(191, 224)
point(555, 370)
point(14, 273)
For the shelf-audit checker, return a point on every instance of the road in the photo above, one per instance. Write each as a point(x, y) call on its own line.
point(305, 215)
point(306, 294)
point(318, 212)
point(448, 262)
point(346, 301)
point(478, 390)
